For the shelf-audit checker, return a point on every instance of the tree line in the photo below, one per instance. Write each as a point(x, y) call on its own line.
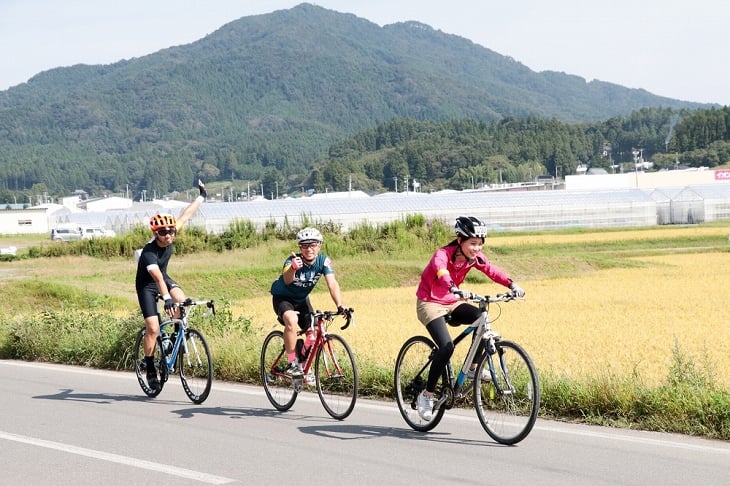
point(454, 154)
point(459, 154)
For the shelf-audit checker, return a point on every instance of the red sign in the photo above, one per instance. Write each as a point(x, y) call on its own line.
point(722, 175)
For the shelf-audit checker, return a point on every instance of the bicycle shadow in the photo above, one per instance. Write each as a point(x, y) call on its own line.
point(369, 432)
point(101, 398)
point(234, 413)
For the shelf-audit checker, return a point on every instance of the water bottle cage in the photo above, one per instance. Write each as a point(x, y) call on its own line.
point(166, 343)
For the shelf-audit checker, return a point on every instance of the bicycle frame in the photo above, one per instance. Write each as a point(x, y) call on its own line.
point(482, 326)
point(506, 395)
point(180, 325)
point(329, 367)
point(179, 349)
point(319, 325)
point(177, 336)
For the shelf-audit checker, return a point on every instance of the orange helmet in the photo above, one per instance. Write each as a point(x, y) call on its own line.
point(159, 221)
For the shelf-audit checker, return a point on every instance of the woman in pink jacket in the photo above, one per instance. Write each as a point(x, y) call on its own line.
point(436, 302)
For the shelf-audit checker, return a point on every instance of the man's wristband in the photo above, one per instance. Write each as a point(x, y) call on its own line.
point(200, 199)
point(166, 296)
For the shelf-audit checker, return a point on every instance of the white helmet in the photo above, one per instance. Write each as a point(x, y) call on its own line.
point(309, 235)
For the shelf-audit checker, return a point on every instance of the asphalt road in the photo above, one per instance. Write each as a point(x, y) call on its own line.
point(72, 425)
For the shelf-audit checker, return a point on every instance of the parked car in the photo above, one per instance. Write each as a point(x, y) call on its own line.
point(66, 234)
point(96, 232)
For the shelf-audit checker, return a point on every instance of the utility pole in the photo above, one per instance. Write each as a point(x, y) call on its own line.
point(395, 179)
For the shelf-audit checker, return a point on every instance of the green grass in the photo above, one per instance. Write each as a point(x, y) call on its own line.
point(79, 309)
point(689, 402)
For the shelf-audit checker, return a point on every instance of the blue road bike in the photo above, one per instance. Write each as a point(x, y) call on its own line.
point(179, 349)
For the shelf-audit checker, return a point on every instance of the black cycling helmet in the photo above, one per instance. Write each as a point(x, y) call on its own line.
point(470, 227)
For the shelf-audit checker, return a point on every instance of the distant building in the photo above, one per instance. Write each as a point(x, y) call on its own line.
point(36, 219)
point(107, 204)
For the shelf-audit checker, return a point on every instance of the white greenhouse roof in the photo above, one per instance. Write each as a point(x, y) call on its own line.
point(519, 209)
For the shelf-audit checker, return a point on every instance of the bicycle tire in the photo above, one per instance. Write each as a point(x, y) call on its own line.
point(410, 376)
point(336, 377)
point(195, 366)
point(278, 386)
point(140, 365)
point(507, 416)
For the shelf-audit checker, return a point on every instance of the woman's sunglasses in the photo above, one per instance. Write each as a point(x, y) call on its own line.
point(166, 231)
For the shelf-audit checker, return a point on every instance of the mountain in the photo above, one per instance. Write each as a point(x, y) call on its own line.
point(269, 93)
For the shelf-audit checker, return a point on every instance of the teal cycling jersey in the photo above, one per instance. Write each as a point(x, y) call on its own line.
point(304, 279)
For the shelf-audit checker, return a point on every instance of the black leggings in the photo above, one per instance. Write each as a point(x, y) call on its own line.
point(463, 314)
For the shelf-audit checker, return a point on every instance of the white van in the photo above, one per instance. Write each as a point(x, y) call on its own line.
point(66, 234)
point(90, 232)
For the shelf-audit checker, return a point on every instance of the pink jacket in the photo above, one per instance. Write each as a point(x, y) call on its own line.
point(442, 272)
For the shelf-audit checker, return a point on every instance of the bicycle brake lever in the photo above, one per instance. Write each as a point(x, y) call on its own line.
point(349, 320)
point(211, 306)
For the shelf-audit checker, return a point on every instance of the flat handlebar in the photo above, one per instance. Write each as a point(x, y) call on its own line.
point(489, 299)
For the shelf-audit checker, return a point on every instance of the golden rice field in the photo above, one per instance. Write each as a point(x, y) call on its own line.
point(627, 234)
point(614, 322)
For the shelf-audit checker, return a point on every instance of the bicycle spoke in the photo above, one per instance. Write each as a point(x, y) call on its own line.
point(336, 377)
point(277, 385)
point(140, 366)
point(195, 366)
point(508, 407)
point(410, 376)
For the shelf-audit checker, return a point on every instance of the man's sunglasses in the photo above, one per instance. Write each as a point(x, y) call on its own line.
point(304, 246)
point(166, 231)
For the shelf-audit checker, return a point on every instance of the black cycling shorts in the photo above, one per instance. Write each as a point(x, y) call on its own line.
point(283, 304)
point(147, 297)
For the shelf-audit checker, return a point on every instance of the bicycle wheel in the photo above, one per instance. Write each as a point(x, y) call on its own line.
point(277, 385)
point(140, 365)
point(410, 376)
point(508, 408)
point(336, 377)
point(195, 366)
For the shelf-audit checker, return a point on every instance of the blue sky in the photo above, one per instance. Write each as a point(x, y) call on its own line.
point(667, 47)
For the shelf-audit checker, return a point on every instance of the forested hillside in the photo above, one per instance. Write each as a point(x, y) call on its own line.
point(460, 154)
point(264, 98)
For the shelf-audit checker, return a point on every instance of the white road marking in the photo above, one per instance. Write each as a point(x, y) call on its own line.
point(127, 461)
point(638, 440)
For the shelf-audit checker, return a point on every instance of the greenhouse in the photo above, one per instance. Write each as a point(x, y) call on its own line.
point(518, 210)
